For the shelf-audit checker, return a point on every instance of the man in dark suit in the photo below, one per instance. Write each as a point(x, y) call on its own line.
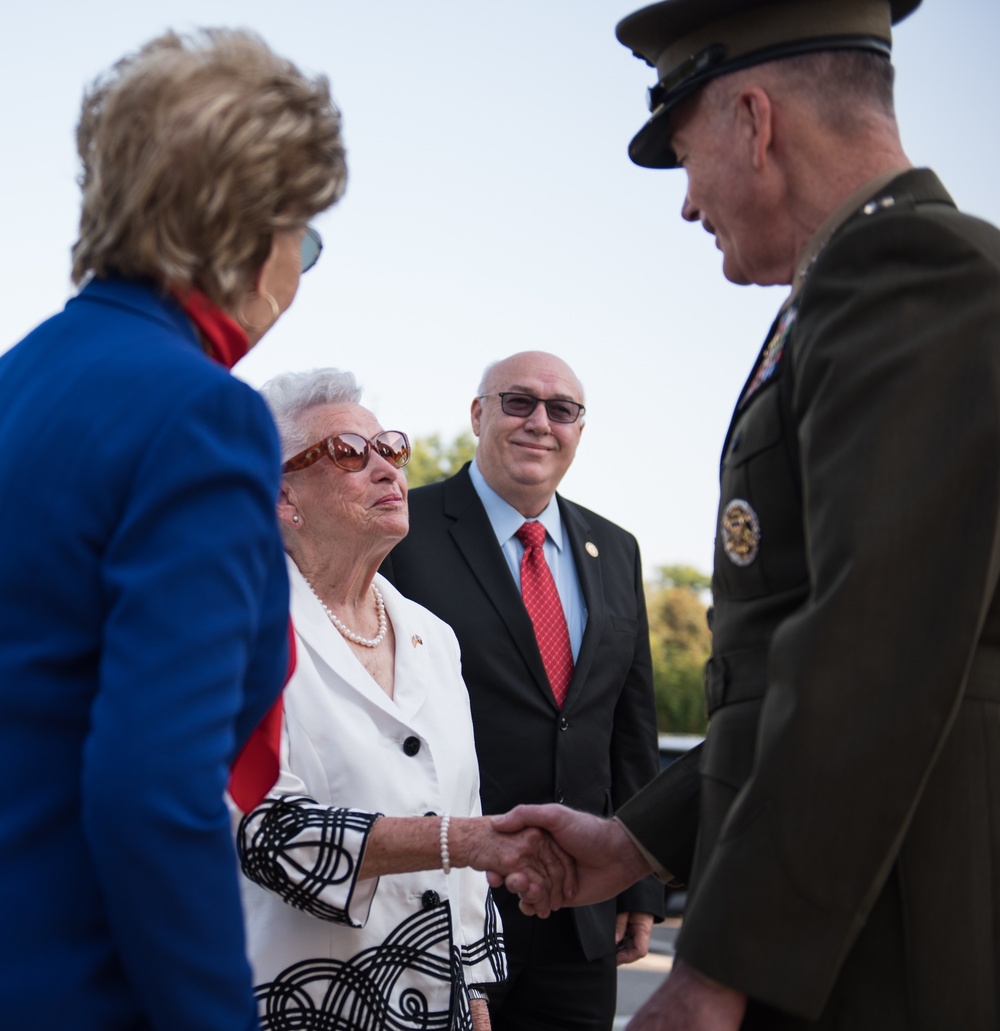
point(462, 559)
point(847, 865)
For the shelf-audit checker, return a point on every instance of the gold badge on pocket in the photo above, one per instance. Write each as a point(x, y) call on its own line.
point(740, 529)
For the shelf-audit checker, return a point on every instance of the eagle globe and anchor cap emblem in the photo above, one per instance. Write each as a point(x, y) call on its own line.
point(740, 530)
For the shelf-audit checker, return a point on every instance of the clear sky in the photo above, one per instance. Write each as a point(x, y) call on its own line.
point(491, 208)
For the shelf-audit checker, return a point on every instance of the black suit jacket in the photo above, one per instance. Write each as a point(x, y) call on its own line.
point(601, 748)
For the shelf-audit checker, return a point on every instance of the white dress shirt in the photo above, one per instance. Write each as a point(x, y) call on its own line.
point(506, 521)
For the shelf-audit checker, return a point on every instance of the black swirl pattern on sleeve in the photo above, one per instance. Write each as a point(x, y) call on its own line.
point(306, 853)
point(490, 947)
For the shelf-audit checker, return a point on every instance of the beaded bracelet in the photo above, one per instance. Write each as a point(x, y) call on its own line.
point(445, 857)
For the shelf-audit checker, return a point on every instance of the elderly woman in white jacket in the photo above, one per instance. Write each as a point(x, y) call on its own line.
point(357, 919)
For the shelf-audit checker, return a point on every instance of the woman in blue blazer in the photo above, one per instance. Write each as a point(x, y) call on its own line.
point(143, 594)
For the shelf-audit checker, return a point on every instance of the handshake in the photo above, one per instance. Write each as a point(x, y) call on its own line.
point(550, 856)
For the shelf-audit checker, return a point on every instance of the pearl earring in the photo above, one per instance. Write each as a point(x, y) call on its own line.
point(295, 518)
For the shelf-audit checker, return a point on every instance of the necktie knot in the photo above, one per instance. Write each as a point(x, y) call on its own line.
point(531, 535)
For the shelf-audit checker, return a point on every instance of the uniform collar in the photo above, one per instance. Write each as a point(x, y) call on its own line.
point(830, 225)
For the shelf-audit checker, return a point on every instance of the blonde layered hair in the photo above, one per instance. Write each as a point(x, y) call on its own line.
point(195, 150)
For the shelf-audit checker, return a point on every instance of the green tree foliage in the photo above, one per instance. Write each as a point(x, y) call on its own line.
point(682, 576)
point(681, 642)
point(432, 459)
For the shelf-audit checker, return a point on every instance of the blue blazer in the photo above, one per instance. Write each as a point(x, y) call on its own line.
point(143, 622)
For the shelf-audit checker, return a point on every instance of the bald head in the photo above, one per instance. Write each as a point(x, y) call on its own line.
point(534, 360)
point(524, 457)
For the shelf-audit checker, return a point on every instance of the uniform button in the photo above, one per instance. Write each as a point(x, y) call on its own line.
point(563, 723)
point(429, 899)
point(411, 745)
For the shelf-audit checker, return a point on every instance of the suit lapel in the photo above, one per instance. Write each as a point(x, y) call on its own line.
point(588, 570)
point(474, 537)
point(411, 676)
point(917, 185)
point(328, 647)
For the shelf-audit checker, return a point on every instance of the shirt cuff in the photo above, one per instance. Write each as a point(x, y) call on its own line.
point(657, 867)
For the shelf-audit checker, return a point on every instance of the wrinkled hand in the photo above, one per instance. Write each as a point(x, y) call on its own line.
point(632, 931)
point(689, 1001)
point(541, 866)
point(607, 861)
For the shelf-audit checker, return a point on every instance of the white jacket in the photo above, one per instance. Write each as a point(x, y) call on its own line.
point(395, 951)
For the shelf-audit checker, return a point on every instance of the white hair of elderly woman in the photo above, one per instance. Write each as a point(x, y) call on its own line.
point(290, 395)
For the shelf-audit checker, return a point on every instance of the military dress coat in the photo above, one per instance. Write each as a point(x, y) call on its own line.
point(847, 866)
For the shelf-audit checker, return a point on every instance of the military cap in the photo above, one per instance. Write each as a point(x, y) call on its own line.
point(689, 42)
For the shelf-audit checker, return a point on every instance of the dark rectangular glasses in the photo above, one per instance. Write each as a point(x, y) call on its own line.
point(350, 451)
point(521, 406)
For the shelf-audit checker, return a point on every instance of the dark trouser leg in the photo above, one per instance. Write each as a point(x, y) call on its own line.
point(552, 986)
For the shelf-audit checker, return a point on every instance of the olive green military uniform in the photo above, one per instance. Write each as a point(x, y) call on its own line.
point(847, 866)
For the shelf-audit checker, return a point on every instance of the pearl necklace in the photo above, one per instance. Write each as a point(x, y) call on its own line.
point(366, 642)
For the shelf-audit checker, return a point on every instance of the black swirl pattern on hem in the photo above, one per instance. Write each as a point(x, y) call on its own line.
point(376, 990)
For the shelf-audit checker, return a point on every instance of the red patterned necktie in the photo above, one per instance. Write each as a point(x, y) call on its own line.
point(541, 599)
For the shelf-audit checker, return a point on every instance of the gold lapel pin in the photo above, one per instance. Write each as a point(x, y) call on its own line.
point(591, 549)
point(416, 639)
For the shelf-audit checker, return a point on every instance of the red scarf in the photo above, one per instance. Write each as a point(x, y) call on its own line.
point(226, 340)
point(255, 770)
